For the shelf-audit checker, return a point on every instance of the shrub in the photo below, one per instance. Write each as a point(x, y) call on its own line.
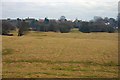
point(43, 27)
point(64, 27)
point(6, 27)
point(88, 27)
point(110, 29)
point(53, 27)
point(23, 27)
point(84, 27)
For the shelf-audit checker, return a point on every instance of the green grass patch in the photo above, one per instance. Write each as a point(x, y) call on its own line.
point(7, 51)
point(90, 76)
point(111, 63)
point(75, 30)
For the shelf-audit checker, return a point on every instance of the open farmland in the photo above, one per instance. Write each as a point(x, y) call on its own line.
point(61, 55)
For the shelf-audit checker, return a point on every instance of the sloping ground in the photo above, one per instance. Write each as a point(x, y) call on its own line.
point(67, 55)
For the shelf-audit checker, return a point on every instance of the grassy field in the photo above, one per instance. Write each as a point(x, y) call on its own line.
point(61, 55)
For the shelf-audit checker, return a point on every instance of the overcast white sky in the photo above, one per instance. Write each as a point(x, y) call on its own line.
point(81, 9)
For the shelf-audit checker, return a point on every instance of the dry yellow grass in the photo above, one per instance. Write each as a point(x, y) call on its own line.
point(66, 55)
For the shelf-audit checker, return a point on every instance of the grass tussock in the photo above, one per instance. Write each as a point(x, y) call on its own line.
point(7, 51)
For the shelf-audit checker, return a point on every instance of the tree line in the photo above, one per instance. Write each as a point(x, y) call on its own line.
point(62, 25)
